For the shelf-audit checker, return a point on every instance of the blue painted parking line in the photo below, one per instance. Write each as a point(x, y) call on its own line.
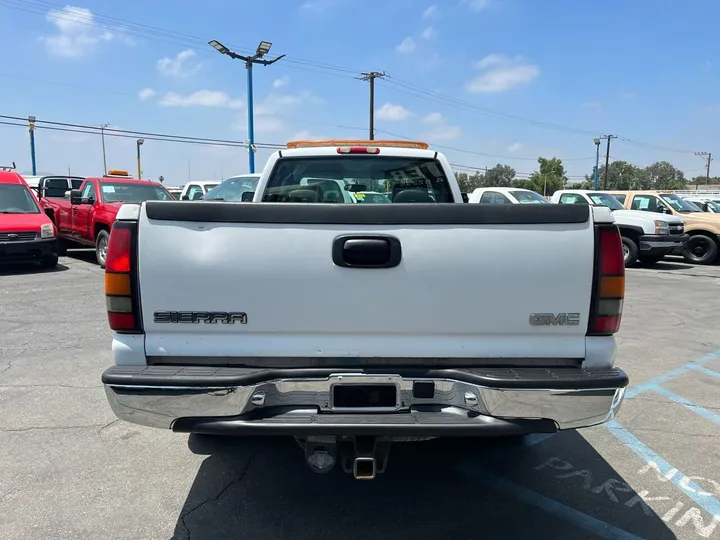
point(634, 391)
point(551, 506)
point(706, 371)
point(687, 404)
point(691, 489)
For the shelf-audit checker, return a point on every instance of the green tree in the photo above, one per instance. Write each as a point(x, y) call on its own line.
point(621, 176)
point(499, 176)
point(550, 177)
point(469, 183)
point(663, 175)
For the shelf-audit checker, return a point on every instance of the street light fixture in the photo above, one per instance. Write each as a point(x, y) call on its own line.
point(262, 49)
point(139, 144)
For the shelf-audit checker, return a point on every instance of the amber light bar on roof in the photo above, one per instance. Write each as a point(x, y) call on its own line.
point(342, 142)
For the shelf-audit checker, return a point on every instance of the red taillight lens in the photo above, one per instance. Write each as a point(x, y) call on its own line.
point(358, 150)
point(609, 286)
point(118, 253)
point(120, 286)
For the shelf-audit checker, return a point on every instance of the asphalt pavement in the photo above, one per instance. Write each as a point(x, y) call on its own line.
point(70, 470)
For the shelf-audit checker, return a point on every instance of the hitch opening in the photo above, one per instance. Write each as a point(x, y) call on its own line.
point(364, 468)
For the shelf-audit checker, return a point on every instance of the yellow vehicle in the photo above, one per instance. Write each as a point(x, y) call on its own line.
point(703, 228)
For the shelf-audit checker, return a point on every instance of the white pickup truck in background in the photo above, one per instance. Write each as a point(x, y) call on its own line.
point(352, 326)
point(647, 236)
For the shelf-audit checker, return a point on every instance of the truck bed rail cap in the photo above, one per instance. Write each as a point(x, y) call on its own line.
point(370, 214)
point(128, 212)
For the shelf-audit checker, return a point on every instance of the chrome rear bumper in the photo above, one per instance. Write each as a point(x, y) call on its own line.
point(432, 402)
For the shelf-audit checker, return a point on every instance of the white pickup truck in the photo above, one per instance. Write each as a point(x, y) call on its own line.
point(647, 236)
point(352, 326)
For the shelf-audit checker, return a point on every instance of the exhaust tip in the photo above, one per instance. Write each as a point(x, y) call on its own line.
point(364, 468)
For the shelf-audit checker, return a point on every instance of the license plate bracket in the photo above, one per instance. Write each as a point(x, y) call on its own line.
point(355, 396)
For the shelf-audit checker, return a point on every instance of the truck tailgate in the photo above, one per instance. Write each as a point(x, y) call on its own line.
point(466, 283)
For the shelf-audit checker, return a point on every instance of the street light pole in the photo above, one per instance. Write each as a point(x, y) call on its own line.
point(262, 49)
point(596, 175)
point(139, 144)
point(31, 127)
point(102, 136)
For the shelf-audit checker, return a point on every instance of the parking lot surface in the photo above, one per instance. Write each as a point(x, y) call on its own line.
point(69, 470)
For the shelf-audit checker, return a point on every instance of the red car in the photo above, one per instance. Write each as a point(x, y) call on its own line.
point(84, 217)
point(26, 233)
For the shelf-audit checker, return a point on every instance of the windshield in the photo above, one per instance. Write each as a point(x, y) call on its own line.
point(371, 197)
point(127, 192)
point(678, 204)
point(607, 200)
point(16, 199)
point(329, 179)
point(529, 197)
point(232, 189)
point(208, 187)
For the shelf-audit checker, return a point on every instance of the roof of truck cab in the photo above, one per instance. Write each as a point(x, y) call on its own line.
point(123, 180)
point(501, 189)
point(11, 177)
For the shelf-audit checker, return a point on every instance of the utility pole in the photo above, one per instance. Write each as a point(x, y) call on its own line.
point(707, 156)
point(262, 49)
point(370, 77)
point(607, 158)
point(102, 136)
point(596, 172)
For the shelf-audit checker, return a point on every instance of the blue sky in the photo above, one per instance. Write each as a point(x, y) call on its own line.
point(513, 79)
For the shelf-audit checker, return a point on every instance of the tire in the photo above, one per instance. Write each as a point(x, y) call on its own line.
point(700, 249)
point(630, 251)
point(51, 261)
point(649, 260)
point(62, 247)
point(101, 244)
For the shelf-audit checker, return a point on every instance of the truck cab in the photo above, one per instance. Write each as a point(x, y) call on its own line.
point(703, 229)
point(26, 233)
point(506, 195)
point(197, 189)
point(84, 217)
point(647, 237)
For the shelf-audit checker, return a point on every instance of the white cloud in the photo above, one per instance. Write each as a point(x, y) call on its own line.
point(628, 95)
point(501, 72)
point(406, 46)
point(202, 98)
point(77, 35)
point(477, 5)
point(277, 103)
point(515, 147)
point(444, 132)
point(146, 94)
point(282, 81)
point(430, 12)
point(178, 66)
point(432, 118)
point(596, 105)
point(428, 33)
point(268, 124)
point(392, 113)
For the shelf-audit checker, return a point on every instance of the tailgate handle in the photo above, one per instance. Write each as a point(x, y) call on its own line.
point(369, 251)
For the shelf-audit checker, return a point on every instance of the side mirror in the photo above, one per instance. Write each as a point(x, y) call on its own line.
point(247, 196)
point(75, 196)
point(67, 194)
